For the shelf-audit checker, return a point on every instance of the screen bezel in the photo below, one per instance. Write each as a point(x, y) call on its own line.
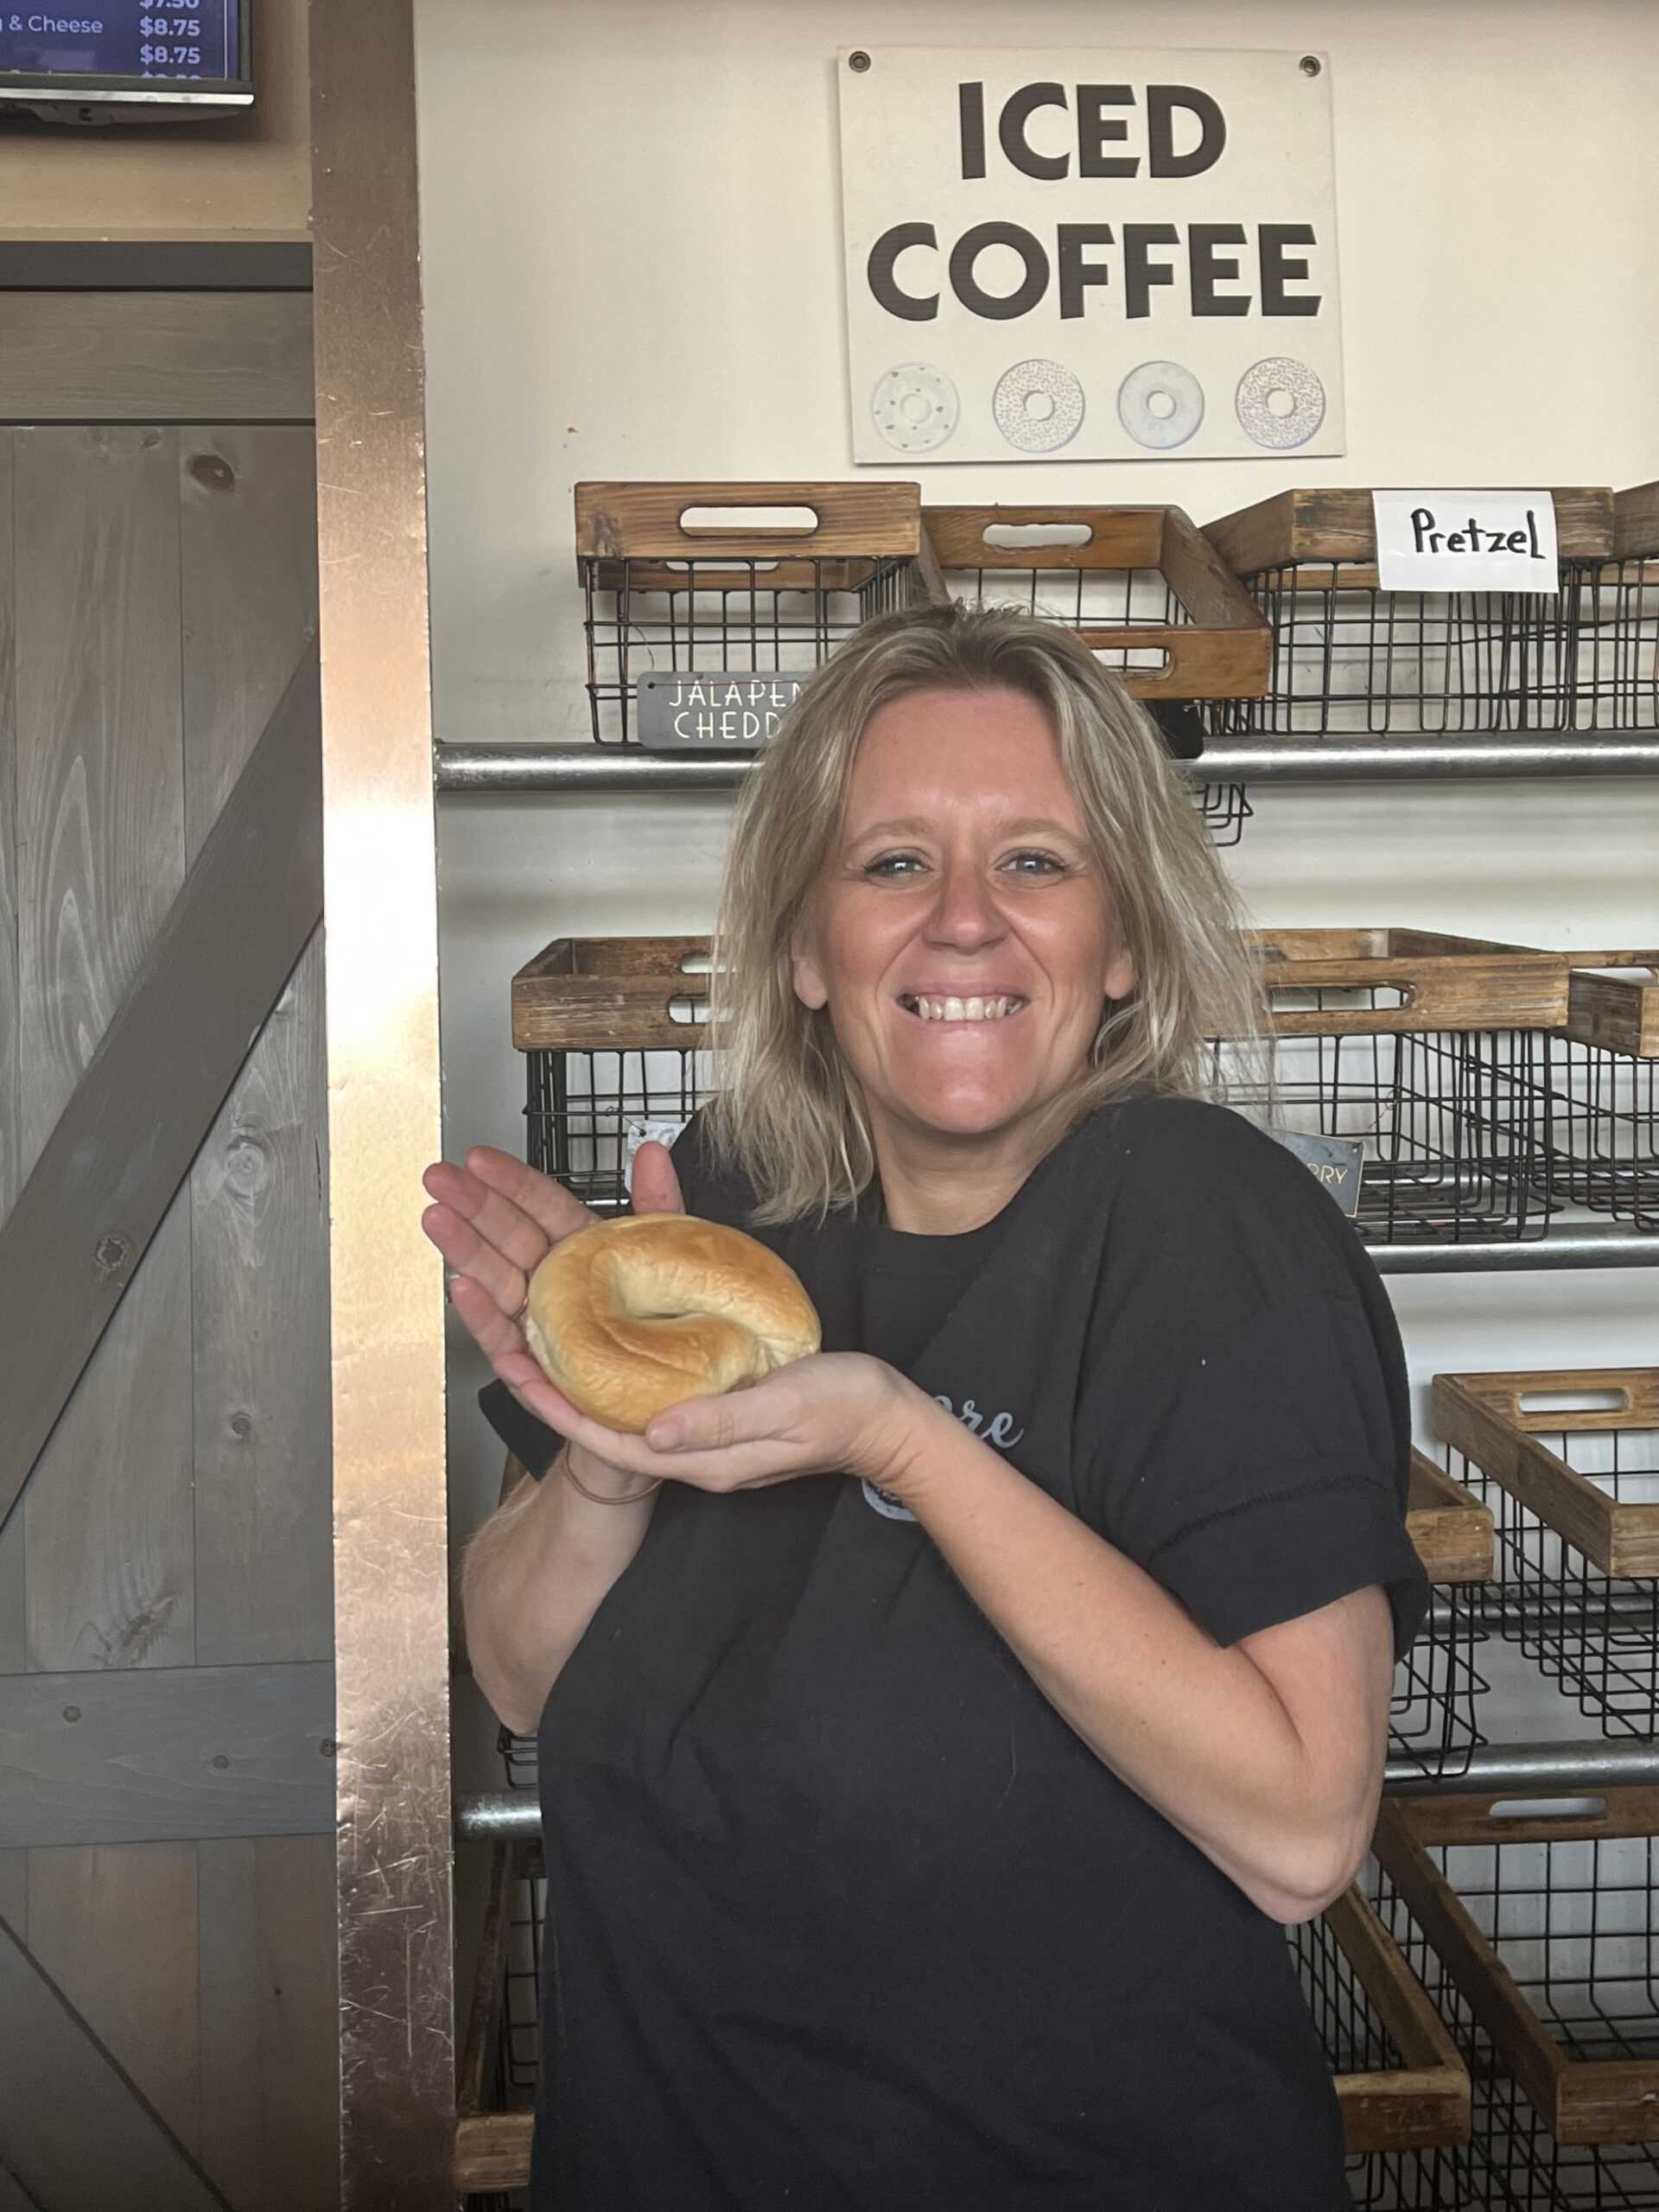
point(33, 85)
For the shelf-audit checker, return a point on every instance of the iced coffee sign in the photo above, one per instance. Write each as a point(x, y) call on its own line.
point(1091, 254)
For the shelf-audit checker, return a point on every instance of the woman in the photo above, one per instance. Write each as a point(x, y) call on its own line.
point(935, 1737)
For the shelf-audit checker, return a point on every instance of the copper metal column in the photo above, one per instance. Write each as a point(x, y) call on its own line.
point(391, 1569)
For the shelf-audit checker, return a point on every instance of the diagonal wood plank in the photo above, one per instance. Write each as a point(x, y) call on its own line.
point(75, 2128)
point(114, 1928)
point(166, 1060)
point(147, 1753)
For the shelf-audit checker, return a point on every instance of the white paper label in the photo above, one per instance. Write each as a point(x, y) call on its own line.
point(641, 1130)
point(1465, 541)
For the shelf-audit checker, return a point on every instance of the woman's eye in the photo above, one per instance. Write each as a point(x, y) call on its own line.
point(1034, 863)
point(889, 866)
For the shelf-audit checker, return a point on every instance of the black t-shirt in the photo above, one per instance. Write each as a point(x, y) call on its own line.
point(842, 1916)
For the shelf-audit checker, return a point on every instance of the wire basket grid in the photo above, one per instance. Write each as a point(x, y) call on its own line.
point(1601, 1081)
point(1616, 621)
point(1573, 1495)
point(772, 591)
point(1567, 1926)
point(1352, 659)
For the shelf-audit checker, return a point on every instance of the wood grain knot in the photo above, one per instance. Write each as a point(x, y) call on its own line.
point(213, 472)
point(112, 1254)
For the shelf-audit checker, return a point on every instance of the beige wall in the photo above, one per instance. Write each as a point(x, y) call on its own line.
point(245, 178)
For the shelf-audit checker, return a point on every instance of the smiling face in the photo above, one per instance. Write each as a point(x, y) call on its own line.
point(961, 934)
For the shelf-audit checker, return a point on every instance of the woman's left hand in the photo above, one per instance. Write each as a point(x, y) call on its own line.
point(836, 1413)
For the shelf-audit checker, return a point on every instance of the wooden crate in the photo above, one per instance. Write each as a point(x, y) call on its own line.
point(1616, 618)
point(1350, 660)
point(1602, 1083)
point(1575, 1486)
point(1144, 590)
point(1419, 2102)
point(613, 993)
point(493, 2140)
point(1427, 1051)
point(617, 992)
point(1318, 530)
point(1444, 982)
point(664, 595)
point(1490, 1419)
point(611, 1028)
point(1450, 1527)
point(1618, 1014)
point(1541, 1986)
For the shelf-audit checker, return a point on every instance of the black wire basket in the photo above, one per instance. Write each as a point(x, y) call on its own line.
point(1530, 1925)
point(1601, 1081)
point(495, 2087)
point(1433, 1721)
point(1616, 621)
point(766, 587)
point(1418, 1047)
point(1569, 1462)
point(1402, 2087)
point(1143, 589)
point(1427, 1050)
point(1350, 660)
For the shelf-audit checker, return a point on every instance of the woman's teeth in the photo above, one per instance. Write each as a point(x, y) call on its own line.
point(950, 1009)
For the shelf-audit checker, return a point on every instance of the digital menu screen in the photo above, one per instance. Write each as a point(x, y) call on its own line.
point(131, 39)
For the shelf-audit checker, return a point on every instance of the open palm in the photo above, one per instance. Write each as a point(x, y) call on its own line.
point(495, 1220)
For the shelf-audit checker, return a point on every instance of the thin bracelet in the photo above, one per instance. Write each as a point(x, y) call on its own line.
point(596, 1496)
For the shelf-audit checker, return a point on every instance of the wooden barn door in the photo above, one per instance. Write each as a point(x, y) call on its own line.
point(167, 2025)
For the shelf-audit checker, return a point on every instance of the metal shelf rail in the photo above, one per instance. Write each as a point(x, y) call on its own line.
point(1562, 1249)
point(501, 1815)
point(477, 770)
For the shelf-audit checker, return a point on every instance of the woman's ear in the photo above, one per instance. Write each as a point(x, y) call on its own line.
point(1120, 974)
point(809, 986)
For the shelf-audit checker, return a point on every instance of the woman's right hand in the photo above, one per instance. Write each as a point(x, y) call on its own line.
point(495, 1220)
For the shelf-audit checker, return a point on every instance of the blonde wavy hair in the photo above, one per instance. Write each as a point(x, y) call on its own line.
point(789, 1116)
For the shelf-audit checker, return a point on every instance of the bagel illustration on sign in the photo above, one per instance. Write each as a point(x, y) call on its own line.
point(1161, 404)
point(1038, 406)
point(915, 407)
point(1280, 428)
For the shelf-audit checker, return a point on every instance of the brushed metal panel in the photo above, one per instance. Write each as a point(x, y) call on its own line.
point(398, 2105)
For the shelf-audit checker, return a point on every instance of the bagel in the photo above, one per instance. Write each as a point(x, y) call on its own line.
point(633, 1315)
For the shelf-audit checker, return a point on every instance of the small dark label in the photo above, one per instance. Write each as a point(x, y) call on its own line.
point(713, 710)
point(1336, 1162)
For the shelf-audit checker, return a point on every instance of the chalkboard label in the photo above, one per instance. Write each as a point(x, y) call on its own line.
point(713, 710)
point(1336, 1162)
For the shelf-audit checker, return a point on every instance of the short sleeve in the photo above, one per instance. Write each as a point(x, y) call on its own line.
point(531, 1441)
point(1274, 1485)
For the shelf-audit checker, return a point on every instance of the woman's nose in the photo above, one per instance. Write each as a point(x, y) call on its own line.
point(965, 912)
